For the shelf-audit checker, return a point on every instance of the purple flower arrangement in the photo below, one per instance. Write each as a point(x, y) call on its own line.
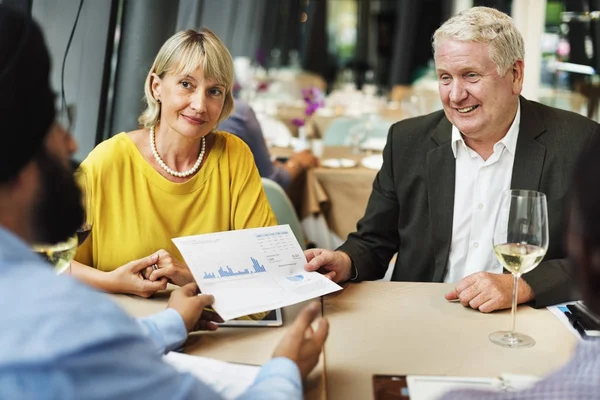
point(262, 87)
point(314, 100)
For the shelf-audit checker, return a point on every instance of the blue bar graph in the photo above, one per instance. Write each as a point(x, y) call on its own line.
point(257, 266)
point(228, 272)
point(208, 276)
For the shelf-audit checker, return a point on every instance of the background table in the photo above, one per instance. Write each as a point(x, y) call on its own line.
point(319, 123)
point(409, 328)
point(348, 190)
point(240, 345)
point(340, 194)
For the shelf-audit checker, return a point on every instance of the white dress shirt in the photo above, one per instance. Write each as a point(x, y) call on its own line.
point(478, 189)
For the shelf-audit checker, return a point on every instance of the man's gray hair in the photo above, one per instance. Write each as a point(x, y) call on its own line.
point(488, 26)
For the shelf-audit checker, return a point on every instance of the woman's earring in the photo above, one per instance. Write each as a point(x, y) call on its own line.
point(158, 101)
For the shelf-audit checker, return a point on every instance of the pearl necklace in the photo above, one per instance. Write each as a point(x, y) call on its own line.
point(164, 166)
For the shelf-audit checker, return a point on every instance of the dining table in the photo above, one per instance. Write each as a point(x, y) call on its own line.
point(338, 188)
point(389, 328)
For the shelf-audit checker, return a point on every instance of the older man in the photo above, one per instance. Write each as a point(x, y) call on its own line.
point(244, 124)
point(579, 378)
point(436, 197)
point(60, 339)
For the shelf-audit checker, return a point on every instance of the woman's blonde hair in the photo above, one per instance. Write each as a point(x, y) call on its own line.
point(488, 26)
point(181, 54)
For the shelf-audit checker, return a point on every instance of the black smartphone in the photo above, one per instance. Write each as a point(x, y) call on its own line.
point(390, 387)
point(589, 313)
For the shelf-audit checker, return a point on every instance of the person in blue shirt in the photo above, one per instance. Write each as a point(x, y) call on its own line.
point(61, 339)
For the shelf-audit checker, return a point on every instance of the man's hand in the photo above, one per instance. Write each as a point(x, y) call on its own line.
point(190, 306)
point(488, 292)
point(301, 343)
point(170, 268)
point(335, 265)
point(128, 278)
point(305, 158)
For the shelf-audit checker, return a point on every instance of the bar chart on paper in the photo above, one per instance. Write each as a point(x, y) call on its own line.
point(227, 271)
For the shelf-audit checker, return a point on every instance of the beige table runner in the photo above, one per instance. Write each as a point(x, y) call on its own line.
point(340, 194)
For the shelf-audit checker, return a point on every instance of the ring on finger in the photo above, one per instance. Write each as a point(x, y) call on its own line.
point(154, 267)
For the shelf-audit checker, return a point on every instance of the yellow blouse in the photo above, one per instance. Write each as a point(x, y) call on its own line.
point(137, 211)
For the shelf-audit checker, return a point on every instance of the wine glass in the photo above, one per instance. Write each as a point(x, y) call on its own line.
point(520, 243)
point(86, 227)
point(356, 135)
point(59, 255)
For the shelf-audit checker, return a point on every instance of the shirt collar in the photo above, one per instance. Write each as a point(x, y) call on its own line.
point(509, 140)
point(13, 248)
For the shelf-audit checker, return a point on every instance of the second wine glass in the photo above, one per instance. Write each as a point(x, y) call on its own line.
point(520, 242)
point(59, 255)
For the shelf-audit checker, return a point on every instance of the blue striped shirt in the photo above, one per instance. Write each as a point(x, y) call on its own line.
point(578, 379)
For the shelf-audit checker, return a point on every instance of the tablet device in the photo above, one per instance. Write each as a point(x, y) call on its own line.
point(390, 387)
point(272, 319)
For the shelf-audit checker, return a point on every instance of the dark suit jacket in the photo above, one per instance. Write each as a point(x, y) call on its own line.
point(411, 208)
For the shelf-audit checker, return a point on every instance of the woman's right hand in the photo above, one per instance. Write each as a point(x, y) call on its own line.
point(128, 278)
point(168, 267)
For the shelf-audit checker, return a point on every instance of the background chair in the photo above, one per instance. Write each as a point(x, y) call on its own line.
point(338, 131)
point(283, 209)
point(351, 131)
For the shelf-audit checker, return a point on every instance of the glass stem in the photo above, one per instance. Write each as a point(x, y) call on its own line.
point(514, 302)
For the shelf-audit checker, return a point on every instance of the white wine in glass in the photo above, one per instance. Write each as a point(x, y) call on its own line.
point(520, 243)
point(58, 255)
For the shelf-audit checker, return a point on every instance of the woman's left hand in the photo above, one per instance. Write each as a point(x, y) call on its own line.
point(171, 268)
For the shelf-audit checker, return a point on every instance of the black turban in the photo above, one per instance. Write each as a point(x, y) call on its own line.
point(26, 100)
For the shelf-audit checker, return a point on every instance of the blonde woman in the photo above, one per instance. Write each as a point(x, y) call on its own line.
point(175, 176)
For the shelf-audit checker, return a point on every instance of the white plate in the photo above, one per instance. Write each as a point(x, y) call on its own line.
point(373, 144)
point(373, 162)
point(338, 163)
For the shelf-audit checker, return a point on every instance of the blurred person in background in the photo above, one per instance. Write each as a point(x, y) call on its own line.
point(243, 123)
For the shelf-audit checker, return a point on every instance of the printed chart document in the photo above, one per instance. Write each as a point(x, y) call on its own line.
point(227, 379)
point(252, 270)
